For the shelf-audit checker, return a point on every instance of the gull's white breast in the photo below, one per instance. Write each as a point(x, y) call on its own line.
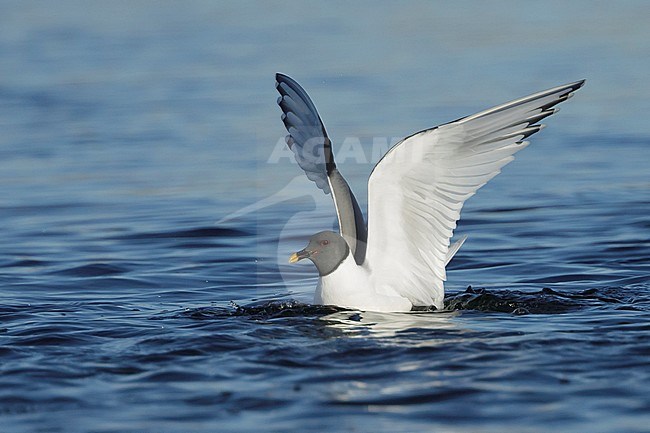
point(351, 286)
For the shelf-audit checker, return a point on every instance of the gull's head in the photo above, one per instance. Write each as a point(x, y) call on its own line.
point(326, 249)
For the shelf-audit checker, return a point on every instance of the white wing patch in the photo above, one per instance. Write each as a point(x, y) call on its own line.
point(416, 192)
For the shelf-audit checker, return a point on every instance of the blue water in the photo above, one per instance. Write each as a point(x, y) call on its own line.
point(147, 221)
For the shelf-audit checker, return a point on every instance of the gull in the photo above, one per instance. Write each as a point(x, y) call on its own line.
point(415, 195)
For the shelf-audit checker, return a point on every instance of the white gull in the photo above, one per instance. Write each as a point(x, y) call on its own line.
point(415, 195)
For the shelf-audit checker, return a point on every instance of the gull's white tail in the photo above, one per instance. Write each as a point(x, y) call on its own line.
point(453, 249)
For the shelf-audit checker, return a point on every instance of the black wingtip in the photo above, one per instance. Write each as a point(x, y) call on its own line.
point(527, 132)
point(572, 87)
point(575, 86)
point(282, 78)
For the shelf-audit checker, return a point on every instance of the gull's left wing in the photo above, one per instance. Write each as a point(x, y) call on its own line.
point(417, 190)
point(312, 148)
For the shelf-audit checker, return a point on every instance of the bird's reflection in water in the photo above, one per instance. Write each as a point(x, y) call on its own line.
point(412, 326)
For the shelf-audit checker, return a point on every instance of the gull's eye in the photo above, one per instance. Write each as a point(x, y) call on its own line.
point(324, 242)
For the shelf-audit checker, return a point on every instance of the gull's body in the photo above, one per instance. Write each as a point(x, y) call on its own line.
point(415, 195)
point(353, 286)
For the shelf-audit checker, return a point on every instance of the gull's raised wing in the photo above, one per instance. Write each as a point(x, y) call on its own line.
point(312, 148)
point(417, 190)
